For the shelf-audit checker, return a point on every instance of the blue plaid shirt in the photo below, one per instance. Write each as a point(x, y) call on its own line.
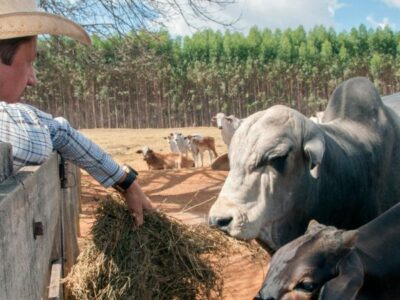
point(34, 134)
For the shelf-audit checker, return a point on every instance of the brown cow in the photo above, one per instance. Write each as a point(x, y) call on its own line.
point(199, 144)
point(160, 161)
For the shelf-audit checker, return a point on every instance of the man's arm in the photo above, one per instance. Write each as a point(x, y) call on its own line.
point(35, 134)
point(74, 146)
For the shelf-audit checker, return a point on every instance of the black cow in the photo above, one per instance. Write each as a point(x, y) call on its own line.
point(334, 264)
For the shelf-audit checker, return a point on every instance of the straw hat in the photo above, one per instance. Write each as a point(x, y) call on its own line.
point(20, 18)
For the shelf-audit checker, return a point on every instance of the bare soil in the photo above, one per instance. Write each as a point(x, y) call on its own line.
point(186, 194)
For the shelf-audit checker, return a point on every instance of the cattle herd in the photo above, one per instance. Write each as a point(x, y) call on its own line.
point(321, 193)
point(196, 144)
point(178, 157)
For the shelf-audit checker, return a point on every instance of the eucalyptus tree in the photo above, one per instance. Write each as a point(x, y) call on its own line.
point(121, 16)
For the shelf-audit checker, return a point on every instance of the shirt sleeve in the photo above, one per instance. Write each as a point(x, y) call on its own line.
point(29, 137)
point(74, 146)
point(34, 134)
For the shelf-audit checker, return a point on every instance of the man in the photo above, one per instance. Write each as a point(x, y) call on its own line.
point(35, 134)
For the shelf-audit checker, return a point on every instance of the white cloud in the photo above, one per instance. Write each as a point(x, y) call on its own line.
point(381, 24)
point(395, 3)
point(334, 5)
point(267, 13)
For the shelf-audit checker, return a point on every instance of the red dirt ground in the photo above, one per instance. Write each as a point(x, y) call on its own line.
point(186, 194)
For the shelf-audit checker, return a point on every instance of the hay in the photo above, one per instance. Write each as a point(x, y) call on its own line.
point(162, 259)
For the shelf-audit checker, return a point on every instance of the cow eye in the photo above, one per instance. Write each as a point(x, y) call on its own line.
point(306, 286)
point(278, 162)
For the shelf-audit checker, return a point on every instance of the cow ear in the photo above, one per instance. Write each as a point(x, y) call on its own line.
point(314, 226)
point(314, 149)
point(349, 281)
point(229, 118)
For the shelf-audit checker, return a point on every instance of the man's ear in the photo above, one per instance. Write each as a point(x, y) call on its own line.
point(349, 281)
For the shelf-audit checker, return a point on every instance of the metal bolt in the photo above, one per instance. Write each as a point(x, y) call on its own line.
point(37, 229)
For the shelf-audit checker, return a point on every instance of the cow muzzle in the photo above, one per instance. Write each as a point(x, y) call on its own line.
point(222, 223)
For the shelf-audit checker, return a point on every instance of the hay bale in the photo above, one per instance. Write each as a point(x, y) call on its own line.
point(162, 259)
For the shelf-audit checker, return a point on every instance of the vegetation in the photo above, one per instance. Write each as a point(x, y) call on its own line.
point(142, 80)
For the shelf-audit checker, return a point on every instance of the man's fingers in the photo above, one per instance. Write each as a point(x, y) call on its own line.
point(147, 204)
point(137, 218)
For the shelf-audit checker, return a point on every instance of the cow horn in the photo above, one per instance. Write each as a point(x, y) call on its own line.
point(315, 149)
point(349, 238)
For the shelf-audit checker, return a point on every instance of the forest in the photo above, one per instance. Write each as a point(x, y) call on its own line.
point(152, 80)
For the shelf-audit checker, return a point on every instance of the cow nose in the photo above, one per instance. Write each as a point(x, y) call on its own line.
point(219, 222)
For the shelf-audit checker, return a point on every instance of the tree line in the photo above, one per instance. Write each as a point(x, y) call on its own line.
point(144, 79)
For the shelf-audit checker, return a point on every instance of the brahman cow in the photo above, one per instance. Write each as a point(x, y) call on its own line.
point(178, 143)
point(333, 264)
point(227, 125)
point(286, 170)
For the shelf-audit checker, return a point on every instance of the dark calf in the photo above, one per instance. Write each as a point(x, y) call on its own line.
point(330, 264)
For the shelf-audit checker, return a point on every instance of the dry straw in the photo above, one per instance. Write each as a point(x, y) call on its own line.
point(162, 259)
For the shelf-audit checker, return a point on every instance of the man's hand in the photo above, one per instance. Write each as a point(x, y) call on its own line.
point(137, 201)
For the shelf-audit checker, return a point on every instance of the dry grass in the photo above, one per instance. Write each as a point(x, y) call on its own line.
point(163, 259)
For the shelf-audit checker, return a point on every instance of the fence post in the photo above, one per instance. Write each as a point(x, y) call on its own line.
point(6, 161)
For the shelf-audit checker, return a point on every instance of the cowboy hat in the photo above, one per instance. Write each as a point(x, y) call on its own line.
point(20, 18)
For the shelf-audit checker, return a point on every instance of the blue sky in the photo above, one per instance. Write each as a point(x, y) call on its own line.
point(338, 14)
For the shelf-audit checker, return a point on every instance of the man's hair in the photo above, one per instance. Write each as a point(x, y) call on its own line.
point(9, 47)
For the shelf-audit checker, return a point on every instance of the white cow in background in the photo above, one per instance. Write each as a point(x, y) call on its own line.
point(172, 144)
point(178, 143)
point(227, 125)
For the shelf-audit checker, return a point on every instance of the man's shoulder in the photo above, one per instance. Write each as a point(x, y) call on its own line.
point(23, 109)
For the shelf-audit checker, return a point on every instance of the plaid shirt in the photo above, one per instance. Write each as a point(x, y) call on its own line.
point(34, 134)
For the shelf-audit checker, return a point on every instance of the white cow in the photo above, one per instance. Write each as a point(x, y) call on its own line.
point(286, 170)
point(172, 144)
point(178, 143)
point(227, 125)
